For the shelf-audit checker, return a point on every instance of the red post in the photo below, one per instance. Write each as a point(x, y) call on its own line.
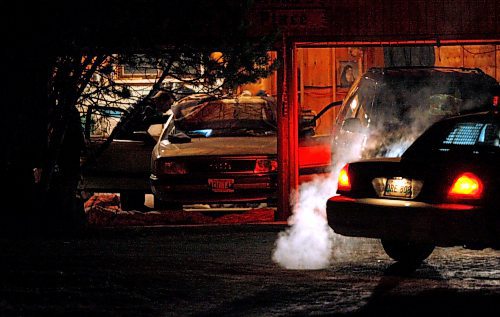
point(288, 171)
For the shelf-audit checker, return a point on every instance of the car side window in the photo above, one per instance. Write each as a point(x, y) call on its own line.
point(365, 104)
point(364, 108)
point(350, 100)
point(360, 102)
point(349, 108)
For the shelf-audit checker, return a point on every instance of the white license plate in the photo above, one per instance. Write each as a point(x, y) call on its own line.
point(221, 185)
point(398, 187)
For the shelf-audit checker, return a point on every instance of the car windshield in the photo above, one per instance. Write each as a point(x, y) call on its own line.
point(243, 116)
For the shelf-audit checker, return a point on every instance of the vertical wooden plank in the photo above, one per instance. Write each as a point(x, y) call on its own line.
point(489, 18)
point(364, 27)
point(497, 63)
point(375, 10)
point(301, 70)
point(401, 17)
point(480, 56)
point(497, 13)
point(421, 17)
point(451, 56)
point(431, 9)
point(386, 29)
point(333, 76)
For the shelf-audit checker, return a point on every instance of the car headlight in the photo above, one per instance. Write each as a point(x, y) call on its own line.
point(172, 168)
point(265, 166)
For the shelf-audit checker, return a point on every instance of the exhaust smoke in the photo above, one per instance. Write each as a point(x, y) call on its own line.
point(307, 244)
point(310, 243)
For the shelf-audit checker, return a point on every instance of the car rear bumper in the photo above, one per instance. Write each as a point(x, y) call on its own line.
point(439, 224)
point(188, 190)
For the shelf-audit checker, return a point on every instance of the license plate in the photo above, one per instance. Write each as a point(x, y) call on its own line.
point(398, 187)
point(221, 185)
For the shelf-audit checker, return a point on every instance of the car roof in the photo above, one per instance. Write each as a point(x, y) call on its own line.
point(435, 73)
point(493, 115)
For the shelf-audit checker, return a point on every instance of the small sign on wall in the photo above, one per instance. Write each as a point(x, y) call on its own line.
point(347, 73)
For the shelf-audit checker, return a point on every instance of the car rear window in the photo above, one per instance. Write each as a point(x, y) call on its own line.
point(457, 136)
point(472, 133)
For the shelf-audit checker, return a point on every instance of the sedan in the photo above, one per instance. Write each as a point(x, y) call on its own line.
point(443, 191)
point(224, 151)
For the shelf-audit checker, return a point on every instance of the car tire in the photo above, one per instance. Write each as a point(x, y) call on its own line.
point(132, 200)
point(166, 206)
point(407, 251)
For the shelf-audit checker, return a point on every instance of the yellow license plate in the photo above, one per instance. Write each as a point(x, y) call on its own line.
point(398, 187)
point(221, 185)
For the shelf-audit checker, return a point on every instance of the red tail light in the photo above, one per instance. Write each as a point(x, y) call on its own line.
point(466, 186)
point(344, 183)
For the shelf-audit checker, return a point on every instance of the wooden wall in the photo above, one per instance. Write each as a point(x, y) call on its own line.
point(485, 57)
point(319, 77)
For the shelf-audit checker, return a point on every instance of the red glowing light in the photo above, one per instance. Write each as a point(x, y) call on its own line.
point(466, 186)
point(344, 183)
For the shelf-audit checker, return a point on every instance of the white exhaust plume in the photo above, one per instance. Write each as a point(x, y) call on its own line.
point(307, 244)
point(310, 244)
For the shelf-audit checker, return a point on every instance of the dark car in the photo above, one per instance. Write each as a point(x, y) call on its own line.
point(443, 191)
point(386, 109)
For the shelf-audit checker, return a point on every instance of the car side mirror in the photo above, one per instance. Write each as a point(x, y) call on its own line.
point(353, 125)
point(179, 137)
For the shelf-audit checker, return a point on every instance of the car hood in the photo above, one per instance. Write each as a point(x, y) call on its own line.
point(221, 146)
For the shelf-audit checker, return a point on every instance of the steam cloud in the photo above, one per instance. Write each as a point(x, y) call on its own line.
point(309, 243)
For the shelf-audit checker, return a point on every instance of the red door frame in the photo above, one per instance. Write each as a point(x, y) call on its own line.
point(288, 129)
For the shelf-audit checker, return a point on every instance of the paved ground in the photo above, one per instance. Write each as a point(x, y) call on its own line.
point(228, 271)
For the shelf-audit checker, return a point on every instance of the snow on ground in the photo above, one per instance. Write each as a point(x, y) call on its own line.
point(104, 211)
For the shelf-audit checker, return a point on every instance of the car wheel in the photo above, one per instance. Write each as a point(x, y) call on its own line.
point(407, 251)
point(164, 205)
point(132, 200)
